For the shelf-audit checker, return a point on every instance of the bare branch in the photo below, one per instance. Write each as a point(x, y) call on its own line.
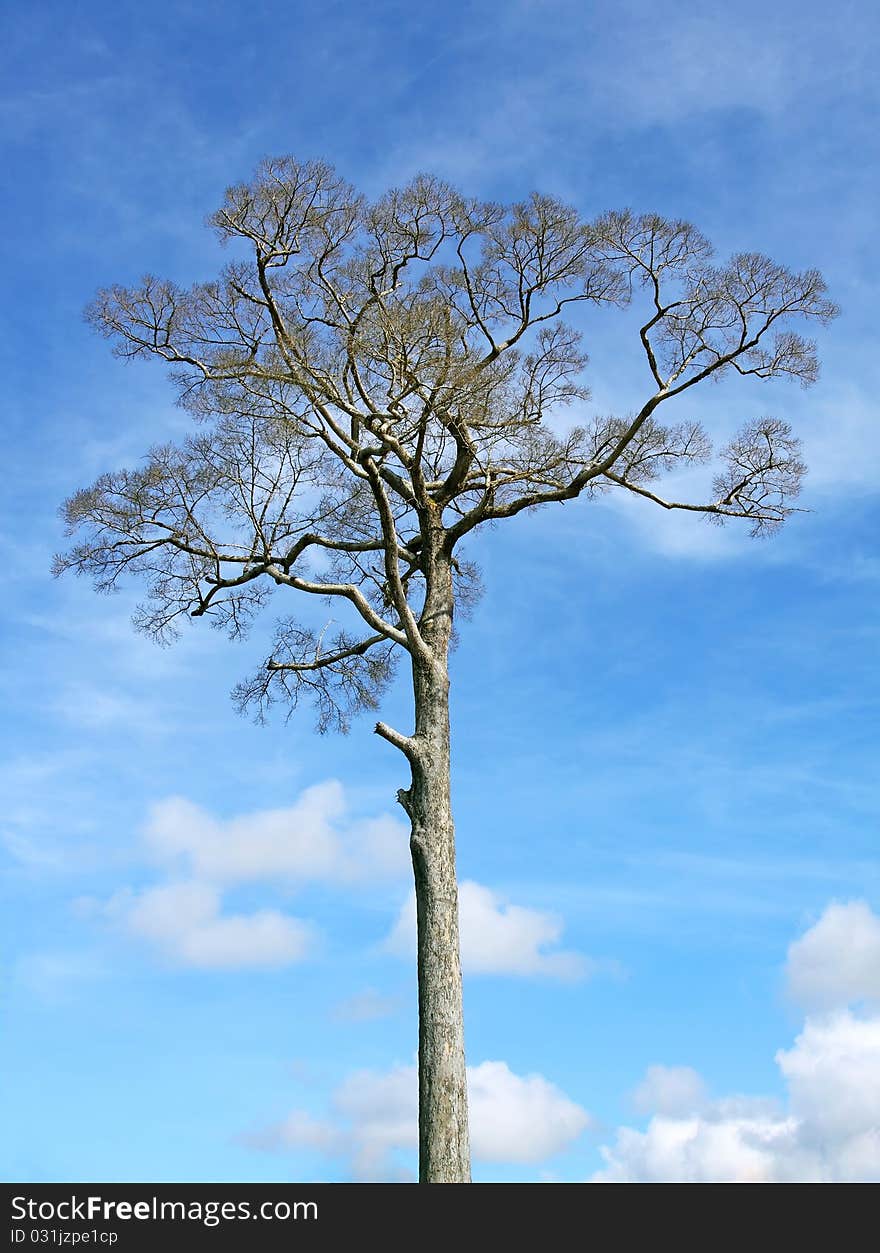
point(764, 473)
point(344, 680)
point(405, 743)
point(371, 373)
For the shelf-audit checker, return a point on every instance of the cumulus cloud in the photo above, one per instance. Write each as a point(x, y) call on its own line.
point(313, 839)
point(837, 961)
point(833, 1076)
point(519, 1118)
point(497, 938)
point(828, 1133)
point(513, 1119)
point(186, 923)
point(828, 1128)
point(718, 1147)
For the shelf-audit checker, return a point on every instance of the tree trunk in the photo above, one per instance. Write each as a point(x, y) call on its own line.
point(444, 1151)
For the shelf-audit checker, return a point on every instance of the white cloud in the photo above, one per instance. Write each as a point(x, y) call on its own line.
point(670, 1090)
point(185, 922)
point(837, 961)
point(58, 977)
point(498, 938)
point(302, 1129)
point(90, 708)
point(678, 534)
point(708, 1149)
point(702, 62)
point(519, 1118)
point(42, 810)
point(513, 1119)
point(830, 1132)
point(829, 1129)
point(314, 839)
point(381, 1113)
point(366, 1006)
point(833, 1076)
point(713, 62)
point(840, 436)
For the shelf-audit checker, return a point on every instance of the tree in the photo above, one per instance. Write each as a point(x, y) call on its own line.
point(374, 383)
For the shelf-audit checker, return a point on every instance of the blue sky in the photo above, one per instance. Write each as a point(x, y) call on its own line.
point(665, 734)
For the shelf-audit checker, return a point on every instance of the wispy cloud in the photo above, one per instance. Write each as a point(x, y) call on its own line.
point(55, 978)
point(367, 1006)
point(43, 827)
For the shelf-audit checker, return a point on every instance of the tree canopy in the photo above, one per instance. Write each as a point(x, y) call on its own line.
point(367, 375)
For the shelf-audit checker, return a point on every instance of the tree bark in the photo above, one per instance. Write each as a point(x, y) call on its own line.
point(444, 1148)
point(444, 1151)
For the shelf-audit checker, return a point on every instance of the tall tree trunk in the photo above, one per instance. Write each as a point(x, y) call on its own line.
point(444, 1151)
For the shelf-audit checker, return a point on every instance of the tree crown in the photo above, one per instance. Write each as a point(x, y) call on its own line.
point(375, 381)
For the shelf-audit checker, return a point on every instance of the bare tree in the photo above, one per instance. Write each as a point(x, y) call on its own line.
point(375, 381)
